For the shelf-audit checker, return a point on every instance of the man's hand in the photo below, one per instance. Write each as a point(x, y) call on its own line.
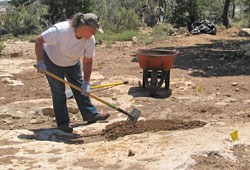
point(41, 67)
point(85, 88)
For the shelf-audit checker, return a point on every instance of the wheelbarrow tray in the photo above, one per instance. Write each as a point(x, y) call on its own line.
point(156, 59)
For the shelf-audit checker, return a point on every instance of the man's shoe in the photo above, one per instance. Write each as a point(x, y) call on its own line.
point(66, 128)
point(99, 117)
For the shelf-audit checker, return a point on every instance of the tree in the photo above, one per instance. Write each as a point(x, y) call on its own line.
point(118, 15)
point(61, 10)
point(18, 3)
point(225, 19)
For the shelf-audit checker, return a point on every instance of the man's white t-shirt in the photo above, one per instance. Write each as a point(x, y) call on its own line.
point(62, 46)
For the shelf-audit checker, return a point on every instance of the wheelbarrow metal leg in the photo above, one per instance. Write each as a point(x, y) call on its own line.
point(167, 79)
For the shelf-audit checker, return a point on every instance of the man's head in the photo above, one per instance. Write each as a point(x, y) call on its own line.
point(92, 20)
point(88, 19)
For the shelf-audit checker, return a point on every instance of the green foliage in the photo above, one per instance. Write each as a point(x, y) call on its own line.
point(24, 19)
point(187, 11)
point(116, 16)
point(122, 36)
point(30, 37)
point(61, 10)
point(163, 30)
point(146, 39)
point(180, 13)
point(18, 3)
point(246, 13)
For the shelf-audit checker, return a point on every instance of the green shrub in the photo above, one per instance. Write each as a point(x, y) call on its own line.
point(163, 30)
point(122, 36)
point(30, 38)
point(23, 19)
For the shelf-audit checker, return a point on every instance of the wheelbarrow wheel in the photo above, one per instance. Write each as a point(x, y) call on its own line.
point(167, 79)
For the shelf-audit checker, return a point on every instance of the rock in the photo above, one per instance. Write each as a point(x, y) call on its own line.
point(131, 153)
point(33, 121)
point(239, 113)
point(47, 111)
point(134, 40)
point(2, 98)
point(234, 84)
point(245, 32)
point(246, 101)
point(18, 114)
point(14, 55)
point(229, 100)
point(221, 104)
point(73, 110)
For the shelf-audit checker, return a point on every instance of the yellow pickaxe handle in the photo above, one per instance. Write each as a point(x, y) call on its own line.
point(79, 89)
point(133, 117)
point(109, 85)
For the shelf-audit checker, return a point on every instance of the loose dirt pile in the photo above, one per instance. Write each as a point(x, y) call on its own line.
point(120, 129)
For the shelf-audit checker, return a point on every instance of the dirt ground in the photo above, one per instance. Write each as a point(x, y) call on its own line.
point(209, 97)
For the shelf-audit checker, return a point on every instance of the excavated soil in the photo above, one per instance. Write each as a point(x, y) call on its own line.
point(120, 129)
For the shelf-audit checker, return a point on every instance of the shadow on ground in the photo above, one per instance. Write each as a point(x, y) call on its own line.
point(220, 58)
point(53, 134)
point(111, 132)
point(160, 93)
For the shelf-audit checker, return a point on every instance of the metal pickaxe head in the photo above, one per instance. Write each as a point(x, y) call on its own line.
point(134, 116)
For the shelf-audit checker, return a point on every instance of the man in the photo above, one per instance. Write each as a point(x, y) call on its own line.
point(58, 50)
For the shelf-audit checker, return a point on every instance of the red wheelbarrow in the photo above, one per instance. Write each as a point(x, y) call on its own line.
point(156, 64)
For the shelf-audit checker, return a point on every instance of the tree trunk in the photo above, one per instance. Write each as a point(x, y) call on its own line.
point(225, 19)
point(233, 12)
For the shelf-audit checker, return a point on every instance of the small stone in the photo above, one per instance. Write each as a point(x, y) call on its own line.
point(203, 110)
point(2, 98)
point(134, 40)
point(14, 55)
point(46, 111)
point(33, 121)
point(234, 84)
point(246, 101)
point(221, 104)
point(131, 153)
point(229, 100)
point(73, 110)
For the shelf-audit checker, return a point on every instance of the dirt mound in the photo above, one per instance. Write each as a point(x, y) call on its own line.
point(123, 128)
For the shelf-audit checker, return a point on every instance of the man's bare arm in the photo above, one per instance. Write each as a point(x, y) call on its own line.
point(87, 68)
